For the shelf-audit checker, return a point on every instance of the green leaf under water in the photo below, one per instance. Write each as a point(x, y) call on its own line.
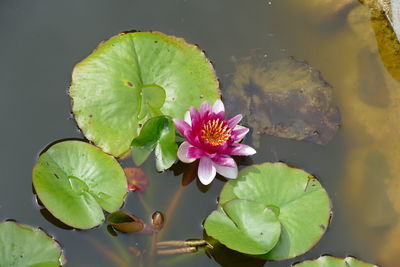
point(25, 246)
point(245, 226)
point(286, 98)
point(329, 261)
point(133, 77)
point(158, 133)
point(75, 181)
point(296, 197)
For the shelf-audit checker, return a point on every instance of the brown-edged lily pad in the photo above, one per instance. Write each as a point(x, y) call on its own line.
point(133, 77)
point(25, 246)
point(125, 222)
point(285, 98)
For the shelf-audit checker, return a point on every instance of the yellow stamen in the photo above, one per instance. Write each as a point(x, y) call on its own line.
point(215, 132)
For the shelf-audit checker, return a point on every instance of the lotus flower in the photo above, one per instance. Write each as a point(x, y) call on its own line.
point(212, 139)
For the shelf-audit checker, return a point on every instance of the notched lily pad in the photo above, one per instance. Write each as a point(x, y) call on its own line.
point(329, 261)
point(245, 226)
point(24, 246)
point(133, 77)
point(125, 222)
point(303, 204)
point(153, 98)
point(75, 181)
point(285, 98)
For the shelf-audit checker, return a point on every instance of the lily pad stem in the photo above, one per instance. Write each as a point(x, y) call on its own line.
point(171, 209)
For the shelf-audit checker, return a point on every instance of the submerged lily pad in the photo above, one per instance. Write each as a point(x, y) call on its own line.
point(135, 76)
point(329, 261)
point(25, 246)
point(303, 204)
point(75, 181)
point(327, 9)
point(158, 133)
point(285, 98)
point(372, 89)
point(245, 226)
point(137, 179)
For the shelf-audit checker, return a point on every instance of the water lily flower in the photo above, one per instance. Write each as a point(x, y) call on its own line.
point(212, 139)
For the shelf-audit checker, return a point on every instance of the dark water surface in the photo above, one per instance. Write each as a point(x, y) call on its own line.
point(41, 41)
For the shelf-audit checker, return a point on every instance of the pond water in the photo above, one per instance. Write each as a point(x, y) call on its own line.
point(42, 40)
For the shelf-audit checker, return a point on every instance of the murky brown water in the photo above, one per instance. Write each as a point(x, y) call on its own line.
point(42, 40)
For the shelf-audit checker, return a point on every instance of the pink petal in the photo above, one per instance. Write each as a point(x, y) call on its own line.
point(240, 150)
point(192, 138)
point(228, 172)
point(195, 152)
point(182, 126)
point(206, 171)
point(218, 106)
point(196, 118)
point(183, 153)
point(204, 108)
point(220, 115)
point(224, 161)
point(187, 118)
point(234, 121)
point(239, 133)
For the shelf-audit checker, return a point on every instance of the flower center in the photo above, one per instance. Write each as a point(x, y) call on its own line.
point(215, 132)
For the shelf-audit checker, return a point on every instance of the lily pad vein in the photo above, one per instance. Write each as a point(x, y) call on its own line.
point(65, 176)
point(137, 63)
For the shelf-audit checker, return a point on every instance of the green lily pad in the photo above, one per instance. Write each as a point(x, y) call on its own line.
point(133, 77)
point(245, 226)
point(329, 261)
point(158, 133)
point(75, 181)
point(304, 206)
point(25, 246)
